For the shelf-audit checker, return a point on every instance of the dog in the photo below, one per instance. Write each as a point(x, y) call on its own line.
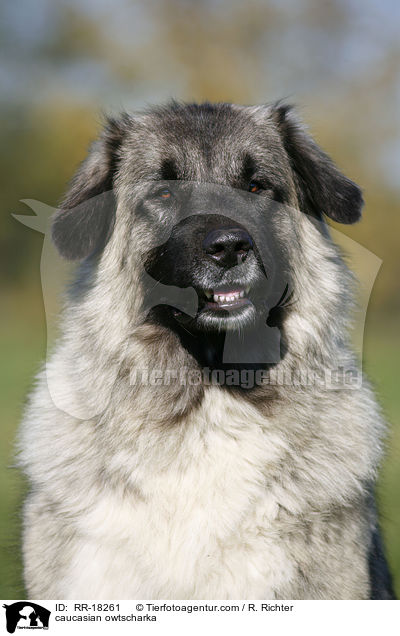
point(204, 255)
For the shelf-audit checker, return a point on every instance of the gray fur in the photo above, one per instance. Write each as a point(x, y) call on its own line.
point(196, 491)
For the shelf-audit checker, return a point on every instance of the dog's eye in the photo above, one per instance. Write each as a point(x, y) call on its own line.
point(165, 193)
point(254, 187)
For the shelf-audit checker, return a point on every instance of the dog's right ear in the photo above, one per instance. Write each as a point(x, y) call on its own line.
point(85, 219)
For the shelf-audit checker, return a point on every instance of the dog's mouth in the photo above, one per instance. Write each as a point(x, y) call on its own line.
point(223, 307)
point(225, 298)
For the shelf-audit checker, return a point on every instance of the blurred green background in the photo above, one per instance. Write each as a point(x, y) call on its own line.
point(63, 62)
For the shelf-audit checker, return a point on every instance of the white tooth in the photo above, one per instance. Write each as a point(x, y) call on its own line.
point(221, 299)
point(241, 294)
point(216, 298)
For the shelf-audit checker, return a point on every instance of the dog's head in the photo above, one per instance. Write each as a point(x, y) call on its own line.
point(209, 197)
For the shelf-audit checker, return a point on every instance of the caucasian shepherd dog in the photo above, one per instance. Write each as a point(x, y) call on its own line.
point(173, 447)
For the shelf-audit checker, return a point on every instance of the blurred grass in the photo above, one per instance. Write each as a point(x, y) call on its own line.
point(22, 338)
point(382, 363)
point(22, 342)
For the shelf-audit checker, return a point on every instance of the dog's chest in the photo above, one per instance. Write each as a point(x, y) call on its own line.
point(204, 524)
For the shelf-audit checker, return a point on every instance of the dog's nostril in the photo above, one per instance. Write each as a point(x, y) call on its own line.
point(244, 246)
point(216, 249)
point(228, 245)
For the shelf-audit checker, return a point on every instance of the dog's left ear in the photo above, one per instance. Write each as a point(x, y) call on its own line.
point(322, 188)
point(85, 219)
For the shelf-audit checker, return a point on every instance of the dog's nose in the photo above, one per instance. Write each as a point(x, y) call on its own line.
point(228, 246)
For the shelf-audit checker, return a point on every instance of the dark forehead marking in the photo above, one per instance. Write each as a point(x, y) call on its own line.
point(169, 170)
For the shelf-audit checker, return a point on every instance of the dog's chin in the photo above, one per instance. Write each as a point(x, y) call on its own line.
point(226, 319)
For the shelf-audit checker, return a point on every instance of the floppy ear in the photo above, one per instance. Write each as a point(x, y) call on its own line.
point(322, 188)
point(84, 221)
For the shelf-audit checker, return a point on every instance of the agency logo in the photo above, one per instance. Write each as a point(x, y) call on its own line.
point(26, 615)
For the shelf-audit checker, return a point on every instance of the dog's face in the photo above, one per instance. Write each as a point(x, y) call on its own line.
point(214, 233)
point(207, 196)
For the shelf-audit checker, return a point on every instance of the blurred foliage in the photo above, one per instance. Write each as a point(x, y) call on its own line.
point(66, 61)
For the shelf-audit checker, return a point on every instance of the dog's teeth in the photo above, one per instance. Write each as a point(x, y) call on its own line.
point(230, 297)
